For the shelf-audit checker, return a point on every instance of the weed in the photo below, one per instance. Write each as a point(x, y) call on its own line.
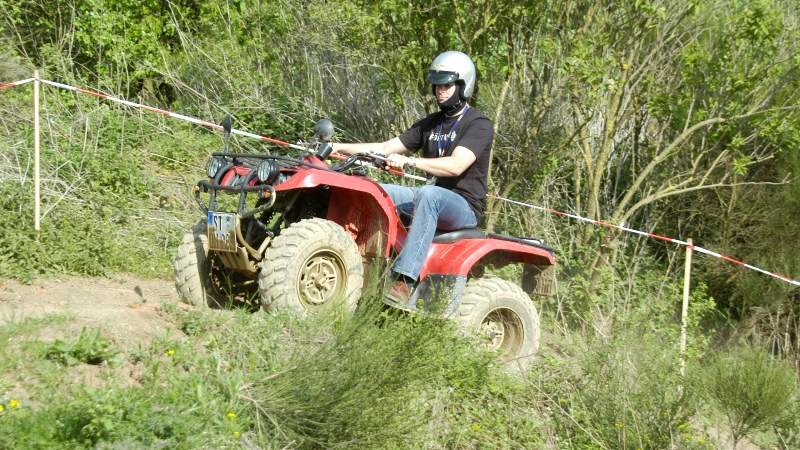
point(89, 348)
point(194, 323)
point(17, 332)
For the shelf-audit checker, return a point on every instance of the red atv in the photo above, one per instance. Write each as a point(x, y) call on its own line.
point(302, 234)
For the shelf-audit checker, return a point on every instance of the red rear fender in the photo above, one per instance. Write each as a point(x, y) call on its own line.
point(458, 258)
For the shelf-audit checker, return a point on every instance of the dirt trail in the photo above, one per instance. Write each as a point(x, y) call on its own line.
point(123, 307)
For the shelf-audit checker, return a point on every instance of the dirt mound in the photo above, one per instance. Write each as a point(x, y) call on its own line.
point(123, 307)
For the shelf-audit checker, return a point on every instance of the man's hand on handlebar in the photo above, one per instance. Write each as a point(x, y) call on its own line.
point(398, 161)
point(375, 158)
point(393, 163)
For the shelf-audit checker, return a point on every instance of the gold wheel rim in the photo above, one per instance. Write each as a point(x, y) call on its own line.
point(503, 331)
point(321, 278)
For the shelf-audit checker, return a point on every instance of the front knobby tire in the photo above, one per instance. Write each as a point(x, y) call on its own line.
point(313, 264)
point(202, 280)
point(191, 265)
point(503, 317)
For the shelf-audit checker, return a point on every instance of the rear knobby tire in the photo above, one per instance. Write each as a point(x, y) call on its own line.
point(503, 316)
point(313, 264)
point(192, 275)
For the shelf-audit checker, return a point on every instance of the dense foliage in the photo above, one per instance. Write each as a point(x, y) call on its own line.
point(675, 116)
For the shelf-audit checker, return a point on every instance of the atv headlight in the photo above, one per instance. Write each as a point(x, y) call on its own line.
point(214, 164)
point(267, 171)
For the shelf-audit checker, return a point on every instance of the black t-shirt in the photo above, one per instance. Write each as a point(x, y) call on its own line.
point(438, 135)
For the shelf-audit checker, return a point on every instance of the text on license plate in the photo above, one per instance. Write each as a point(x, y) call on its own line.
point(222, 231)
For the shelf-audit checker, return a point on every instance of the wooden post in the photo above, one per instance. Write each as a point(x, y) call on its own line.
point(36, 191)
point(687, 282)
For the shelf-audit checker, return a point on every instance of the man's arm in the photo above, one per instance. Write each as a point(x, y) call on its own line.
point(446, 166)
point(390, 147)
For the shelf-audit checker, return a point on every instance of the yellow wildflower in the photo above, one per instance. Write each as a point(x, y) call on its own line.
point(13, 403)
point(170, 352)
point(231, 415)
point(2, 408)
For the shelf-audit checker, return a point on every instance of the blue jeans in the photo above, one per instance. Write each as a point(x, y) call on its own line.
point(430, 207)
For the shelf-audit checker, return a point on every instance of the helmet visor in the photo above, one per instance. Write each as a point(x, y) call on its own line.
point(441, 77)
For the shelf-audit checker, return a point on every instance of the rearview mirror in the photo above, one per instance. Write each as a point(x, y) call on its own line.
point(227, 125)
point(323, 130)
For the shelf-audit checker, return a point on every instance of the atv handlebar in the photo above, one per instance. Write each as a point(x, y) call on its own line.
point(375, 160)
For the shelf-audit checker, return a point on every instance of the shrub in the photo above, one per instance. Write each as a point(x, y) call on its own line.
point(623, 393)
point(751, 388)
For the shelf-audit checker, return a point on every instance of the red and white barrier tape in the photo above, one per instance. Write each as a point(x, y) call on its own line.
point(696, 248)
point(201, 122)
point(171, 114)
point(14, 83)
point(299, 147)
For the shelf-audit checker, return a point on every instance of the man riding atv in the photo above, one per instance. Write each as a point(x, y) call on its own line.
point(456, 147)
point(298, 233)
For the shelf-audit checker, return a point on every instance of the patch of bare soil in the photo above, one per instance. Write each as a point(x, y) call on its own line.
point(123, 307)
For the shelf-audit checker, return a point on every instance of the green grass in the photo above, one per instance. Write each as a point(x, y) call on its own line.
point(15, 338)
point(231, 378)
point(370, 381)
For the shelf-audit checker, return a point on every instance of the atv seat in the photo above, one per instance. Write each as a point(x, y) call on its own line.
point(448, 237)
point(533, 242)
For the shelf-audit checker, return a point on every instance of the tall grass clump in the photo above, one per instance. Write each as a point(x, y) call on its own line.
point(751, 388)
point(625, 392)
point(787, 430)
point(386, 381)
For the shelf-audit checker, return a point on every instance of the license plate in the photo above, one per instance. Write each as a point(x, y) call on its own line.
point(221, 231)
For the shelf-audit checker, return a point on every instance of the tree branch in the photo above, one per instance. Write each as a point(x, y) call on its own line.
point(673, 146)
point(671, 193)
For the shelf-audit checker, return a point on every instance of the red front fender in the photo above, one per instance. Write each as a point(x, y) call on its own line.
point(358, 204)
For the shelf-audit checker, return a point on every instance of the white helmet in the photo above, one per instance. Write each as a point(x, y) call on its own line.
point(453, 66)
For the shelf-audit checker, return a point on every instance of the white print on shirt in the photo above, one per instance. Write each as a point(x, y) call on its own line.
point(449, 137)
point(442, 140)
